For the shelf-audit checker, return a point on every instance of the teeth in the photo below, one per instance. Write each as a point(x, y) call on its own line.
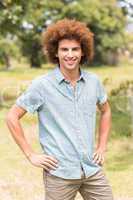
point(70, 60)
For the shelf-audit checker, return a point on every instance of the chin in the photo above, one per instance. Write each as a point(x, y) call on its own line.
point(71, 67)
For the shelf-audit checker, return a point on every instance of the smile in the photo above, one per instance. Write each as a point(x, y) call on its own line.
point(70, 62)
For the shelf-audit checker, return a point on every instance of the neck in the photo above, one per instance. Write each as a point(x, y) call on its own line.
point(71, 75)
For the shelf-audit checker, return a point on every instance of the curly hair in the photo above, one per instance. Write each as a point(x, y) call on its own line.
point(68, 29)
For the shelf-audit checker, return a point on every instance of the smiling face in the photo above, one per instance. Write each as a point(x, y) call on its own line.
point(69, 54)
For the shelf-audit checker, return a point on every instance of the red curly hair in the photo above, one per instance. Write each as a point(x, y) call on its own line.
point(67, 29)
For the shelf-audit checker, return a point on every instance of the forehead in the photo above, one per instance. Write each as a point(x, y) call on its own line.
point(68, 43)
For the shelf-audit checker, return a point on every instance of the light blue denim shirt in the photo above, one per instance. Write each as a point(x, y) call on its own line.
point(66, 119)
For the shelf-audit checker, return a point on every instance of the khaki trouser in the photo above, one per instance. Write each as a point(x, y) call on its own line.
point(95, 187)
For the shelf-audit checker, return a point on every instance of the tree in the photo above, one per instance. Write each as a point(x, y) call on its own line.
point(38, 17)
point(28, 19)
point(11, 15)
point(105, 19)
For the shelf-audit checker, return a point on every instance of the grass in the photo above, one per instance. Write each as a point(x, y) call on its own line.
point(20, 180)
point(119, 166)
point(121, 116)
point(112, 76)
point(14, 81)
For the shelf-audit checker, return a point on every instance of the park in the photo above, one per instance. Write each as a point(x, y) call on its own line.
point(22, 60)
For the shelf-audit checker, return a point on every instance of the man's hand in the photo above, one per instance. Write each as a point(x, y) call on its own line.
point(43, 161)
point(99, 157)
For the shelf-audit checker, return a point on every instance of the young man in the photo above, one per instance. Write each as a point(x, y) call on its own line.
point(66, 100)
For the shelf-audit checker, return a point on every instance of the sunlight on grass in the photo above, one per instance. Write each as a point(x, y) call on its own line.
point(19, 179)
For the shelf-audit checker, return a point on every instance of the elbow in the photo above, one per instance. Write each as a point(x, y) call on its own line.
point(10, 118)
point(14, 115)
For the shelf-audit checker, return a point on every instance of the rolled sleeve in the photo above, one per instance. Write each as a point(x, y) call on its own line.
point(101, 93)
point(32, 98)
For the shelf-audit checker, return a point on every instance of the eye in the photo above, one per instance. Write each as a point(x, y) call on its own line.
point(64, 49)
point(76, 49)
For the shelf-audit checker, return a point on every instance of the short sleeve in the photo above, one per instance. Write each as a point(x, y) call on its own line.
point(101, 93)
point(32, 98)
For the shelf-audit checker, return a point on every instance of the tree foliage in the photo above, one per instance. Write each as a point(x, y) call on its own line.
point(27, 19)
point(104, 18)
point(11, 15)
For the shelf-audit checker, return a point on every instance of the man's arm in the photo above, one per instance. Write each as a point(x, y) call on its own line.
point(39, 160)
point(104, 129)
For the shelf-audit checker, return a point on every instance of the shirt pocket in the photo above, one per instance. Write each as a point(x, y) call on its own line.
point(89, 107)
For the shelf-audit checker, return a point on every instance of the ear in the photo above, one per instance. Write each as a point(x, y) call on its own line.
point(56, 55)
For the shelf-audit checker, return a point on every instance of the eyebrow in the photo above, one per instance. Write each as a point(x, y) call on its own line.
point(78, 47)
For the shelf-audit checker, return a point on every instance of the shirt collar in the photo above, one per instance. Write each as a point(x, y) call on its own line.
point(60, 78)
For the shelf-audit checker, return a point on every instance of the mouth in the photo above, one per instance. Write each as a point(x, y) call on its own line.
point(70, 62)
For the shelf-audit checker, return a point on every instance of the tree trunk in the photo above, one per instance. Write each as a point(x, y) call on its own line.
point(34, 62)
point(7, 61)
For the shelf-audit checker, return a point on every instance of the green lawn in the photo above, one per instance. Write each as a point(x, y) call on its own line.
point(20, 180)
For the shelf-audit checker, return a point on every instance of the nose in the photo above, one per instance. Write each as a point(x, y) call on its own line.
point(70, 54)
